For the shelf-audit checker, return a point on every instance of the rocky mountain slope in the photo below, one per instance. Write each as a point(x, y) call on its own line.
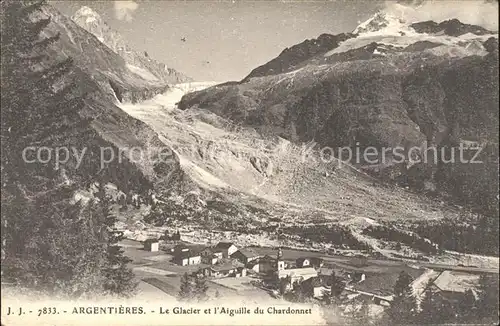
point(388, 84)
point(105, 79)
point(138, 62)
point(240, 161)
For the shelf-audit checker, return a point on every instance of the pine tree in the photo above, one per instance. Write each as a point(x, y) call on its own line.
point(56, 252)
point(46, 245)
point(434, 309)
point(403, 307)
point(119, 277)
point(336, 286)
point(39, 105)
point(200, 288)
point(488, 298)
point(360, 315)
point(186, 292)
point(467, 307)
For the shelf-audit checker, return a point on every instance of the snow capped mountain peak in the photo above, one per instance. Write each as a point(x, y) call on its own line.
point(86, 14)
point(382, 22)
point(137, 62)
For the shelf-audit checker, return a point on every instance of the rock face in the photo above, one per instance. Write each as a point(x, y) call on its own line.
point(139, 62)
point(380, 87)
point(452, 27)
point(290, 57)
point(105, 80)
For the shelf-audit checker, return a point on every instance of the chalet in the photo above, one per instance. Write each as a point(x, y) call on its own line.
point(210, 256)
point(452, 285)
point(246, 255)
point(208, 251)
point(185, 258)
point(315, 262)
point(179, 249)
point(316, 287)
point(151, 245)
point(297, 274)
point(227, 248)
point(230, 269)
point(209, 259)
point(302, 262)
point(356, 277)
point(263, 265)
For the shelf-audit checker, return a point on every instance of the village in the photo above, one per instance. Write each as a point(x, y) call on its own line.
point(253, 274)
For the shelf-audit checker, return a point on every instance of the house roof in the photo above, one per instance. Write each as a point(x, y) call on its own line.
point(456, 281)
point(226, 266)
point(267, 258)
point(299, 271)
point(186, 254)
point(312, 260)
point(248, 253)
point(150, 241)
point(315, 260)
point(223, 245)
point(180, 247)
point(320, 280)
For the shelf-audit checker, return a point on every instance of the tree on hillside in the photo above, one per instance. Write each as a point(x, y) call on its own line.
point(488, 307)
point(434, 309)
point(50, 244)
point(39, 102)
point(466, 308)
point(403, 307)
point(359, 314)
point(187, 291)
point(283, 284)
point(200, 288)
point(119, 277)
point(336, 286)
point(57, 252)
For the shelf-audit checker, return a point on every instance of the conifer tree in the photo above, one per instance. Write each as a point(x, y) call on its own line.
point(336, 286)
point(488, 307)
point(466, 307)
point(186, 292)
point(403, 307)
point(200, 288)
point(119, 277)
point(434, 309)
point(46, 245)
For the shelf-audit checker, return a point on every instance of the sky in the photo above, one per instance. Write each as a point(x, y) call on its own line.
point(225, 40)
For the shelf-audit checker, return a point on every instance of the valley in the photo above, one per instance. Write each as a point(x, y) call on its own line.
point(355, 173)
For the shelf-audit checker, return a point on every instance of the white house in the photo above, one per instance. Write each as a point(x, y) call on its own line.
point(185, 258)
point(227, 248)
point(152, 245)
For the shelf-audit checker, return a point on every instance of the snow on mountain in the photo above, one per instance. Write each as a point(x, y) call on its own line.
point(139, 62)
point(397, 29)
point(169, 99)
point(382, 22)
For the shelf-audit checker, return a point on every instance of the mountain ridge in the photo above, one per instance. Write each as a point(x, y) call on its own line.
point(140, 62)
point(103, 78)
point(368, 89)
